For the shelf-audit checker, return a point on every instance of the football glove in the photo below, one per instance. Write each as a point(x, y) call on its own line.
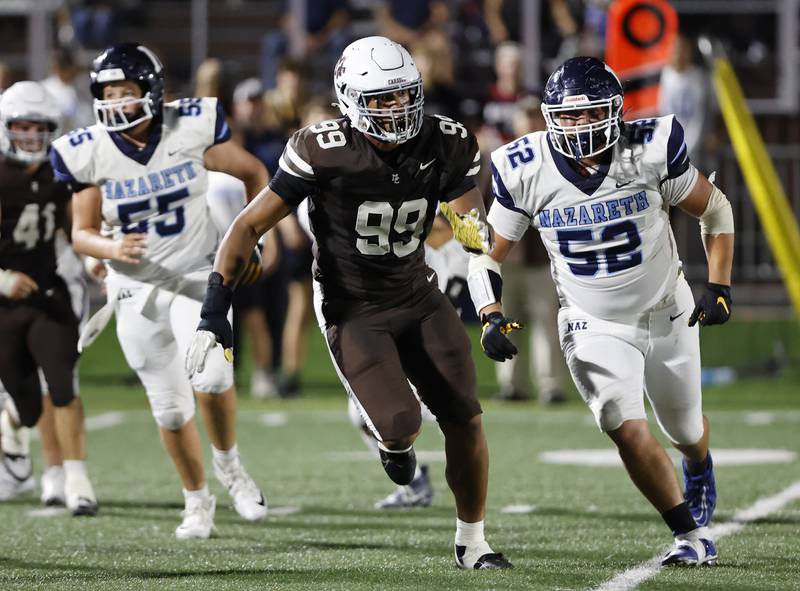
point(468, 229)
point(253, 269)
point(494, 341)
point(214, 326)
point(713, 307)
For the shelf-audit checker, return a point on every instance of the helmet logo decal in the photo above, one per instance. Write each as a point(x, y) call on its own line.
point(340, 67)
point(110, 75)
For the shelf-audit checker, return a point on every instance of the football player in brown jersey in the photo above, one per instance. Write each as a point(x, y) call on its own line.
point(37, 321)
point(374, 178)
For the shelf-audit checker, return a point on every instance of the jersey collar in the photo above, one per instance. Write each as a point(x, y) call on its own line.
point(141, 156)
point(588, 184)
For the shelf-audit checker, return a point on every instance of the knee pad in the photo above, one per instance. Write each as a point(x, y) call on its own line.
point(171, 410)
point(683, 431)
point(607, 415)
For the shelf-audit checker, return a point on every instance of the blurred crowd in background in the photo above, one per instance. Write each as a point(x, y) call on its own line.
point(274, 75)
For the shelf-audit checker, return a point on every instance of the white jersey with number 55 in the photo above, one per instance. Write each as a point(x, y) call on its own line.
point(159, 190)
point(607, 231)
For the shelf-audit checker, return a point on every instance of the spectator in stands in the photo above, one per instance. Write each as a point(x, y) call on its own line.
point(250, 121)
point(433, 56)
point(530, 296)
point(284, 104)
point(501, 104)
point(321, 39)
point(685, 92)
point(73, 98)
point(94, 23)
point(6, 76)
point(407, 21)
point(503, 19)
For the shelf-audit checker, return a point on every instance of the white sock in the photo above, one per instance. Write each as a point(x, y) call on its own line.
point(469, 534)
point(393, 451)
point(76, 468)
point(369, 441)
point(200, 493)
point(227, 457)
point(55, 470)
point(417, 472)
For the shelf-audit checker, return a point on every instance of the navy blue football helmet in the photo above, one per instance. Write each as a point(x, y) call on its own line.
point(583, 84)
point(127, 61)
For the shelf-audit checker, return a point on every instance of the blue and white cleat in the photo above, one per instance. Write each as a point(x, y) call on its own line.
point(418, 493)
point(695, 548)
point(700, 493)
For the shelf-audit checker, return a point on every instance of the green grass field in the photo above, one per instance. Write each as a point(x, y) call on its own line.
point(582, 526)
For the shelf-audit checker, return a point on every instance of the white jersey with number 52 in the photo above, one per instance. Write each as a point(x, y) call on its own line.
point(611, 247)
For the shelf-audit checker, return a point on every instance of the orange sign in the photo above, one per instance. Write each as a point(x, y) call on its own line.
point(639, 39)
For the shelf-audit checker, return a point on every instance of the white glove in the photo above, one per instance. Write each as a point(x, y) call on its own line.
point(202, 343)
point(468, 229)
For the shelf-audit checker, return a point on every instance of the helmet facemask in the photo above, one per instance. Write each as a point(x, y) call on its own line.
point(585, 140)
point(29, 146)
point(111, 113)
point(394, 125)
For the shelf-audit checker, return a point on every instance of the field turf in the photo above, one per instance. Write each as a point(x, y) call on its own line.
point(564, 526)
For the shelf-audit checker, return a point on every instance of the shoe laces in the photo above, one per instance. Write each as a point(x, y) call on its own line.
point(239, 481)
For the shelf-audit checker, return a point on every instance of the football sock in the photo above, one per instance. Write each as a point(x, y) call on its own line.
point(417, 472)
point(227, 457)
point(393, 451)
point(75, 467)
point(201, 493)
point(697, 468)
point(679, 519)
point(369, 441)
point(14, 439)
point(469, 534)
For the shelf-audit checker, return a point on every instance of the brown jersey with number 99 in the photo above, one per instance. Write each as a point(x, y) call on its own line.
point(370, 211)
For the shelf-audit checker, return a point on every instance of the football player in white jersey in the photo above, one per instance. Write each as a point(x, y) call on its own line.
point(139, 178)
point(598, 190)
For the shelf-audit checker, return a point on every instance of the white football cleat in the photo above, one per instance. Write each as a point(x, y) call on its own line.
point(248, 500)
point(695, 548)
point(16, 477)
point(198, 519)
point(79, 494)
point(53, 481)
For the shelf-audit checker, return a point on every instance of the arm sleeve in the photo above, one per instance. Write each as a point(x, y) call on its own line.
point(506, 217)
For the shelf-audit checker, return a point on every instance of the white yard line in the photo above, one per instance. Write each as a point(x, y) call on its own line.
point(631, 578)
point(102, 421)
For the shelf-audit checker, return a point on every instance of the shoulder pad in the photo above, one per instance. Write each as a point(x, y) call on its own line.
point(73, 154)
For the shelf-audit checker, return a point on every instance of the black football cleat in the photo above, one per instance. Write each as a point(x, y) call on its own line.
point(400, 466)
point(490, 560)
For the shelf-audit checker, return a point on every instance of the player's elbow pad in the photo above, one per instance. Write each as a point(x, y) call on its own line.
point(484, 281)
point(718, 216)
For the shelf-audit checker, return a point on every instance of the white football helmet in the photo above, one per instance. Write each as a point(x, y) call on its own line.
point(28, 101)
point(372, 67)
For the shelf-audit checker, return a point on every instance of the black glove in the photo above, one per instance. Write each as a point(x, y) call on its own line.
point(214, 313)
point(494, 341)
point(713, 307)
